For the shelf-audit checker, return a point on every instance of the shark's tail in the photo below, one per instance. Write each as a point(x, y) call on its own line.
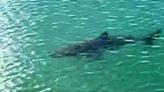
point(151, 37)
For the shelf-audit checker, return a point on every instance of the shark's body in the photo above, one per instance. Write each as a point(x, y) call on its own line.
point(95, 47)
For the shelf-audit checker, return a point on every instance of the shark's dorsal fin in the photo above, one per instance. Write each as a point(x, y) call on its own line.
point(103, 35)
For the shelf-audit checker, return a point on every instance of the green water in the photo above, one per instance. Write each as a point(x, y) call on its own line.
point(30, 29)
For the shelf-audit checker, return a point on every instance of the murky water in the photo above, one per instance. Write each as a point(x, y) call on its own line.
point(30, 29)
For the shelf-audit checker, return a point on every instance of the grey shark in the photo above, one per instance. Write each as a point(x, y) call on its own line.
point(95, 47)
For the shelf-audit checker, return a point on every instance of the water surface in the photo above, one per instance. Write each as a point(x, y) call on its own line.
point(30, 29)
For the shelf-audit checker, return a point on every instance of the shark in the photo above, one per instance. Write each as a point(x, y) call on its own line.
point(95, 47)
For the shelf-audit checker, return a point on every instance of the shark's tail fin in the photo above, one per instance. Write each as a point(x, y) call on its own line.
point(151, 37)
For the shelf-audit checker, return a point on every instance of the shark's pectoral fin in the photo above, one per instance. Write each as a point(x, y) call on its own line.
point(113, 47)
point(95, 56)
point(92, 55)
